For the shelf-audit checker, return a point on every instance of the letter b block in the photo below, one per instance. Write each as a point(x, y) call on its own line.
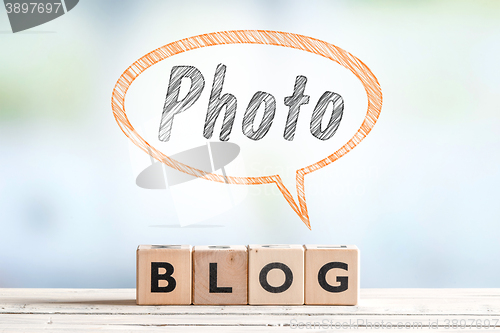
point(164, 274)
point(220, 274)
point(332, 275)
point(276, 274)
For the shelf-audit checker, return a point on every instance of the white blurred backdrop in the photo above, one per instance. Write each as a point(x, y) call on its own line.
point(419, 196)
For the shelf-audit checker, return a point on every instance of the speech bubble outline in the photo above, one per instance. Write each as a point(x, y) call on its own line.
point(263, 37)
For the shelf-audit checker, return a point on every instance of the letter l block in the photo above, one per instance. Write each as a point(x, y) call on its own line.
point(164, 274)
point(220, 274)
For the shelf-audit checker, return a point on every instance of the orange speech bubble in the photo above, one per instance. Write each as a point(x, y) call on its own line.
point(264, 37)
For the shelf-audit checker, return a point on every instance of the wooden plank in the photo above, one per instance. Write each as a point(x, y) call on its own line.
point(115, 310)
point(372, 301)
point(230, 323)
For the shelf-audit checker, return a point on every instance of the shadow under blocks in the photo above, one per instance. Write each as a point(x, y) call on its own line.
point(279, 274)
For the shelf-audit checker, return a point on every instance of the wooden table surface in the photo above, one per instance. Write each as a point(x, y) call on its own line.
point(103, 310)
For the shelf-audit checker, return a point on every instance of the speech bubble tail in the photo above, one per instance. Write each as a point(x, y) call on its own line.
point(299, 206)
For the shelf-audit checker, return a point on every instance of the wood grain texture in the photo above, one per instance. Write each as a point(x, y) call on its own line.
point(232, 268)
point(180, 259)
point(318, 271)
point(282, 292)
point(114, 310)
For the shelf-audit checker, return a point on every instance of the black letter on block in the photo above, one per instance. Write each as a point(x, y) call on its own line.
point(172, 104)
point(216, 104)
point(156, 277)
point(288, 277)
point(342, 279)
point(213, 281)
point(319, 113)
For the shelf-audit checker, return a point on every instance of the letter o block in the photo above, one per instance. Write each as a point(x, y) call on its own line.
point(220, 275)
point(331, 275)
point(164, 274)
point(275, 274)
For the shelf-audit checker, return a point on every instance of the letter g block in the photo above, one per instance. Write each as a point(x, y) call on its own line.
point(164, 274)
point(331, 275)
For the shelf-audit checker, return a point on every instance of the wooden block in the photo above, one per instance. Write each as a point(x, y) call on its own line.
point(164, 274)
point(220, 274)
point(276, 274)
point(331, 275)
